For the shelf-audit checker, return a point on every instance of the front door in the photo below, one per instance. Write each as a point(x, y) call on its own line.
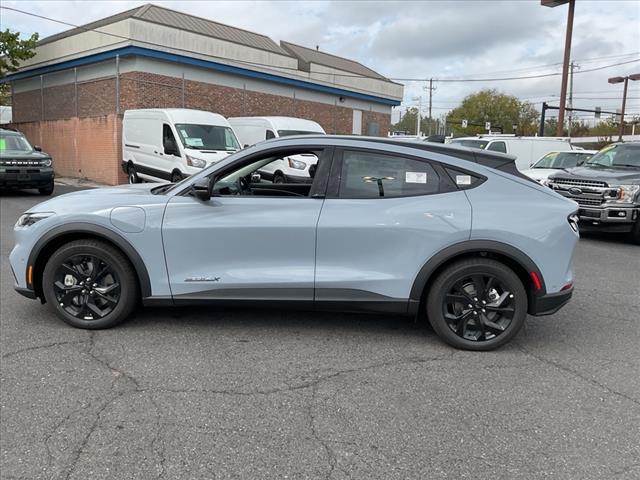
point(250, 241)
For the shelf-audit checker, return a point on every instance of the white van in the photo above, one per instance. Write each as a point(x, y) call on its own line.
point(171, 143)
point(292, 169)
point(526, 149)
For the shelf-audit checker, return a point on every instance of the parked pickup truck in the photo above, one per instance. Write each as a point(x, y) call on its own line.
point(607, 189)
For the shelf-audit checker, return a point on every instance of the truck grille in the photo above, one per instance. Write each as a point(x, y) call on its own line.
point(584, 192)
point(21, 163)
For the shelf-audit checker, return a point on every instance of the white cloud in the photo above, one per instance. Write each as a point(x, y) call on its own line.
point(439, 39)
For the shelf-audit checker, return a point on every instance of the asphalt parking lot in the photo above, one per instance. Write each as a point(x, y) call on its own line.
point(237, 393)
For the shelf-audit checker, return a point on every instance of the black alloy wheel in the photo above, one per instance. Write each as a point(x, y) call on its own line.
point(176, 177)
point(132, 175)
point(90, 284)
point(87, 287)
point(478, 307)
point(477, 304)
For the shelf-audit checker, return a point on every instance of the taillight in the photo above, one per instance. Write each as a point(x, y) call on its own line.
point(537, 284)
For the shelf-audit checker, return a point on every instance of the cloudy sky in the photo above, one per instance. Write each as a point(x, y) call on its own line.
point(430, 39)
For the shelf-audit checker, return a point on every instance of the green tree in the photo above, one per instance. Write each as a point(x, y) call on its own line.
point(408, 121)
point(498, 108)
point(13, 51)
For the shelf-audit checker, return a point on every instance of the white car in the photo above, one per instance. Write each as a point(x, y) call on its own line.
point(160, 144)
point(291, 169)
point(554, 161)
point(526, 149)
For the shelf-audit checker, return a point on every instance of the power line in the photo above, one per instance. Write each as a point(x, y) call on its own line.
point(276, 69)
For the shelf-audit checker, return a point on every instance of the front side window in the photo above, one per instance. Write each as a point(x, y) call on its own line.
point(559, 160)
point(14, 144)
point(207, 137)
point(498, 147)
point(374, 175)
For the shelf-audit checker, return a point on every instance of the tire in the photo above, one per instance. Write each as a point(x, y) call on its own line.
point(634, 236)
point(176, 176)
point(64, 288)
point(48, 190)
point(469, 321)
point(132, 174)
point(278, 177)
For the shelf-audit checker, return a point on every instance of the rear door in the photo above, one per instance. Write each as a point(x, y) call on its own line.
point(384, 217)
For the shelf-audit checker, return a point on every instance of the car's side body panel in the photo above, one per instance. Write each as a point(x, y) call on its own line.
point(532, 221)
point(241, 247)
point(375, 247)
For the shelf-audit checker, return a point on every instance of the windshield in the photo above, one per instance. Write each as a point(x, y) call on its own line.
point(481, 144)
point(14, 144)
point(207, 137)
point(620, 155)
point(286, 133)
point(562, 160)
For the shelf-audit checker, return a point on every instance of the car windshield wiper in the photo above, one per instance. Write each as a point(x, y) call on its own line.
point(596, 163)
point(625, 165)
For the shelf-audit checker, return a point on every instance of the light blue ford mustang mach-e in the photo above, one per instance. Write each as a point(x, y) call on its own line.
point(401, 227)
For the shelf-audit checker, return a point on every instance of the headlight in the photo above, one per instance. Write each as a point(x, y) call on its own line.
point(46, 162)
point(195, 162)
point(626, 193)
point(545, 182)
point(297, 164)
point(28, 219)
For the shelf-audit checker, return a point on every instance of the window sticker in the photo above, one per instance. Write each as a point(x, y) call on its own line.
point(194, 142)
point(415, 177)
point(3, 144)
point(185, 134)
point(463, 179)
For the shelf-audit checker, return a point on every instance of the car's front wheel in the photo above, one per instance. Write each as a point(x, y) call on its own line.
point(477, 304)
point(90, 284)
point(47, 189)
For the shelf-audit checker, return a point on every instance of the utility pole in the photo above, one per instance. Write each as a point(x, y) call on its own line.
point(418, 119)
point(431, 89)
point(572, 66)
point(567, 55)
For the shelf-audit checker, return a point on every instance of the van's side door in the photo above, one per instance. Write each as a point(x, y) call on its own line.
point(384, 217)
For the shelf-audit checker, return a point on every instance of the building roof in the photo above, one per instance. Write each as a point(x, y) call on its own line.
point(184, 21)
point(310, 55)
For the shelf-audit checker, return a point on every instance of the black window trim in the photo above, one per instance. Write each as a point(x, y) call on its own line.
point(320, 179)
point(446, 184)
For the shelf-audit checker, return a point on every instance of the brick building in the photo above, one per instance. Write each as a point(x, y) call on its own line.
point(70, 97)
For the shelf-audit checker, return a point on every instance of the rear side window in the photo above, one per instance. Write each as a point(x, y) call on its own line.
point(498, 147)
point(463, 180)
point(269, 135)
point(374, 175)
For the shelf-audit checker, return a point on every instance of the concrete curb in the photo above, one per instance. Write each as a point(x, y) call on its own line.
point(79, 182)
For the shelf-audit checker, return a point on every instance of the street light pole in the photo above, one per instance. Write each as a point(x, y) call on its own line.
point(625, 80)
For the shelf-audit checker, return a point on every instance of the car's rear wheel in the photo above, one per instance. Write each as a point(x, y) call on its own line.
point(477, 304)
point(132, 174)
point(48, 189)
point(90, 284)
point(278, 178)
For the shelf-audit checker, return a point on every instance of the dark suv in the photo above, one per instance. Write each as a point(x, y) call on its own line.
point(607, 188)
point(23, 166)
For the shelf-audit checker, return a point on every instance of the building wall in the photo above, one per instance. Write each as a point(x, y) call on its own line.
point(81, 147)
point(79, 125)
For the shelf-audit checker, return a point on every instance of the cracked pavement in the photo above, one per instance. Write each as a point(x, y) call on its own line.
point(239, 393)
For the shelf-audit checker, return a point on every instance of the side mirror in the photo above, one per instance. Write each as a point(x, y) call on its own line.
point(170, 148)
point(37, 148)
point(246, 145)
point(255, 177)
point(202, 188)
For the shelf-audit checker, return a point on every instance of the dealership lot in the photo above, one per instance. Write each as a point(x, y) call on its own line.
point(239, 393)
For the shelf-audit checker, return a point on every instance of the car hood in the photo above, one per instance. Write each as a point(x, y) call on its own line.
point(24, 155)
point(604, 174)
point(96, 199)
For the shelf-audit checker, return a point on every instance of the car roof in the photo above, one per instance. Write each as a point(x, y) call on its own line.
point(491, 159)
point(8, 131)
